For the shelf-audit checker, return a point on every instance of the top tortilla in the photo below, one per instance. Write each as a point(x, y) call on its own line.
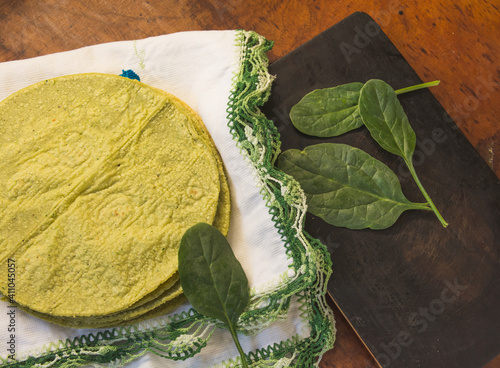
point(100, 176)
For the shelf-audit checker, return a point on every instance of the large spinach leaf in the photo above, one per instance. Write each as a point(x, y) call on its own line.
point(388, 124)
point(347, 187)
point(212, 278)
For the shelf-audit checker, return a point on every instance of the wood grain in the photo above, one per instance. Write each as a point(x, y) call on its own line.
point(349, 351)
point(456, 42)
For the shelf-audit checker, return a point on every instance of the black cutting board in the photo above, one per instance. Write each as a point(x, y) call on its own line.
point(418, 294)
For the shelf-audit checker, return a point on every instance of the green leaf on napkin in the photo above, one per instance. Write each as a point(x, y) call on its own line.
point(212, 278)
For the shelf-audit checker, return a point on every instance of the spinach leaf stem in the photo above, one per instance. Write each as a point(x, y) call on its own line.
point(238, 346)
point(409, 163)
point(417, 87)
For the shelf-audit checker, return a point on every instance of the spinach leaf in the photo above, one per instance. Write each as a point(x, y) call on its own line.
point(385, 118)
point(388, 124)
point(212, 278)
point(328, 112)
point(347, 187)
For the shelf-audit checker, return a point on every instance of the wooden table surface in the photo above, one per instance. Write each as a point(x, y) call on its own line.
point(457, 42)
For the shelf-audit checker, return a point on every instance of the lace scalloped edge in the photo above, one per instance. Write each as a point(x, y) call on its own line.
point(259, 140)
point(183, 335)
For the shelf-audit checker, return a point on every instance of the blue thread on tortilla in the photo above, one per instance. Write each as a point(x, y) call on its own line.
point(130, 74)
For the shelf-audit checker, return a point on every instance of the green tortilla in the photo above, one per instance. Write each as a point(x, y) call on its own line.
point(100, 176)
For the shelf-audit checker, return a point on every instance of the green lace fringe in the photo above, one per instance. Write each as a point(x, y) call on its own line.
point(258, 139)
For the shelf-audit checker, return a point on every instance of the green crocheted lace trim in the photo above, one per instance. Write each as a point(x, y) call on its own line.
point(259, 139)
point(183, 335)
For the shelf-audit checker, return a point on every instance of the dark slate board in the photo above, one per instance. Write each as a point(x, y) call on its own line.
point(419, 295)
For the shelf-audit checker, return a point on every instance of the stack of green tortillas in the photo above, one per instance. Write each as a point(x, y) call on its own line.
point(100, 176)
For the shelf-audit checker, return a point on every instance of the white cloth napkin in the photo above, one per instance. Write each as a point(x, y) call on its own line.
point(199, 68)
